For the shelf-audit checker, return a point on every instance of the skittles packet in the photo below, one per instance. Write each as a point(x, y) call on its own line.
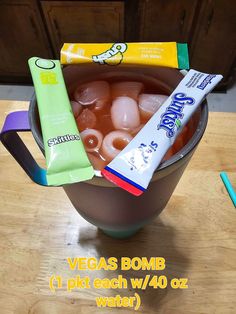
point(66, 159)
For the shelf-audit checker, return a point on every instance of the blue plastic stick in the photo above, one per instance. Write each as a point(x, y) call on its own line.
point(229, 187)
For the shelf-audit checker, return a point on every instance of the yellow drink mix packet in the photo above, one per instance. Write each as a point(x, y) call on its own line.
point(169, 54)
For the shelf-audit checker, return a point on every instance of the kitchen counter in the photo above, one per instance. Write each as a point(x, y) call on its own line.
point(196, 234)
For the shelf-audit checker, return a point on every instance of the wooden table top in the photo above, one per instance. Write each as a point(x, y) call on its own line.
point(196, 234)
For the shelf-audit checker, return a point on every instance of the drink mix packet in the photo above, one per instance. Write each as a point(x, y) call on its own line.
point(169, 54)
point(66, 159)
point(133, 168)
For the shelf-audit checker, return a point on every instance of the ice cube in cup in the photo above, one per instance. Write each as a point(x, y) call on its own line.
point(92, 139)
point(124, 113)
point(129, 89)
point(97, 161)
point(149, 104)
point(76, 108)
point(86, 120)
point(95, 93)
point(181, 140)
point(113, 143)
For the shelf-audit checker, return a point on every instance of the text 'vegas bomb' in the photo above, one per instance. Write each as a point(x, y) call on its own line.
point(112, 263)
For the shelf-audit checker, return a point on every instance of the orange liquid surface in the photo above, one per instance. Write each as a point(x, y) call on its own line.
point(104, 124)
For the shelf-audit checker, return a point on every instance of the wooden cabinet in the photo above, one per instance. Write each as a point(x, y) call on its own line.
point(22, 35)
point(83, 21)
point(209, 28)
point(213, 47)
point(38, 27)
point(163, 20)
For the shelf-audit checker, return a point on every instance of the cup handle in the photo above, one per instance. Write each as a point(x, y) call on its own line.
point(18, 121)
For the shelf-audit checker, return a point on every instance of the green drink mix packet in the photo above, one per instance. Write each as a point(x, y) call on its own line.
point(66, 159)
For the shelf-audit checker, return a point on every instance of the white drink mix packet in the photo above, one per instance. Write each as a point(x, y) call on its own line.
point(133, 168)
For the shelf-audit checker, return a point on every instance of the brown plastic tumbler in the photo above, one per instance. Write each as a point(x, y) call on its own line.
point(108, 207)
